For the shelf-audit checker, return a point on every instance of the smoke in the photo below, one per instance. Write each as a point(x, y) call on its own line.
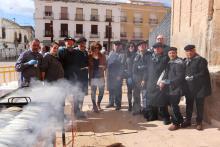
point(40, 119)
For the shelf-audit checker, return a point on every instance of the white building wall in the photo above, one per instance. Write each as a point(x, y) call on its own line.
point(56, 8)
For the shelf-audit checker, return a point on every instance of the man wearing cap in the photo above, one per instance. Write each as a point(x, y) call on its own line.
point(70, 59)
point(198, 85)
point(114, 75)
point(29, 64)
point(83, 63)
point(139, 68)
point(172, 85)
point(156, 64)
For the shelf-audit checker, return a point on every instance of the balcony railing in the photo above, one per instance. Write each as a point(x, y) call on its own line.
point(153, 21)
point(123, 18)
point(138, 20)
point(64, 16)
point(137, 35)
point(109, 18)
point(64, 33)
point(79, 34)
point(79, 17)
point(94, 17)
point(47, 33)
point(94, 35)
point(48, 15)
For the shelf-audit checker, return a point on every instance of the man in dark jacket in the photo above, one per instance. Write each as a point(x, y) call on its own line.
point(29, 64)
point(198, 85)
point(115, 75)
point(71, 61)
point(52, 69)
point(156, 64)
point(139, 68)
point(172, 84)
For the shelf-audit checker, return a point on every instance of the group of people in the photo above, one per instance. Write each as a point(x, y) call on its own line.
point(156, 78)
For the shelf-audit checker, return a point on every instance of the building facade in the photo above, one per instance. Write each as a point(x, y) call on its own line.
point(76, 18)
point(138, 18)
point(13, 38)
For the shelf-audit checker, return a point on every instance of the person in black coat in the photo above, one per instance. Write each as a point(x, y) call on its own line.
point(156, 64)
point(172, 84)
point(129, 61)
point(139, 69)
point(198, 85)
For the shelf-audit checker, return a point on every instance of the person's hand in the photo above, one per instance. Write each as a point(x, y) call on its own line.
point(161, 85)
point(189, 78)
point(32, 62)
point(142, 83)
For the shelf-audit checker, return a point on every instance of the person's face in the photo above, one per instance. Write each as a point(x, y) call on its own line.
point(160, 39)
point(96, 49)
point(172, 54)
point(142, 47)
point(158, 50)
point(82, 45)
point(117, 47)
point(190, 53)
point(131, 48)
point(35, 46)
point(54, 49)
point(69, 43)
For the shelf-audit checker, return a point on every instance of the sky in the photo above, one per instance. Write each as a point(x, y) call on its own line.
point(22, 10)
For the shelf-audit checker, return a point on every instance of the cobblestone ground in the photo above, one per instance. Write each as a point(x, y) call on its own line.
point(110, 126)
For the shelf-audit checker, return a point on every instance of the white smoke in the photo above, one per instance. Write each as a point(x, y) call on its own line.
point(41, 118)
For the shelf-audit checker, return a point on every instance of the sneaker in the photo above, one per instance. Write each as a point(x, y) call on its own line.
point(199, 127)
point(109, 106)
point(173, 127)
point(95, 109)
point(99, 107)
point(130, 108)
point(118, 108)
point(186, 124)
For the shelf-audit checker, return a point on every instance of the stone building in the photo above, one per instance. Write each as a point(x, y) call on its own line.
point(197, 22)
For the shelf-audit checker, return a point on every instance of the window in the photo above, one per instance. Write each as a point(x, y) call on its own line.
point(94, 15)
point(79, 29)
point(138, 18)
point(153, 19)
point(79, 14)
point(3, 33)
point(64, 13)
point(64, 30)
point(20, 38)
point(94, 29)
point(109, 15)
point(48, 11)
point(48, 31)
point(25, 39)
point(123, 16)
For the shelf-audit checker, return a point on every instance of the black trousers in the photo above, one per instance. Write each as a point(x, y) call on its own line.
point(176, 116)
point(152, 113)
point(199, 108)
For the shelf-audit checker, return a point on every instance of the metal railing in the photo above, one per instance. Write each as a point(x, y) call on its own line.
point(8, 74)
point(123, 19)
point(64, 16)
point(79, 17)
point(94, 17)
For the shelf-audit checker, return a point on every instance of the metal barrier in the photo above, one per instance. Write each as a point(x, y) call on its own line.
point(8, 74)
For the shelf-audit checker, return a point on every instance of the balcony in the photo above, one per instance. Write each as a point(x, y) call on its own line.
point(137, 36)
point(95, 35)
point(123, 18)
point(79, 34)
point(138, 20)
point(123, 35)
point(64, 33)
point(109, 18)
point(64, 16)
point(48, 15)
point(47, 33)
point(79, 17)
point(94, 18)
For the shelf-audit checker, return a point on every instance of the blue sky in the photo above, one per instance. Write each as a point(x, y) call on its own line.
point(22, 10)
